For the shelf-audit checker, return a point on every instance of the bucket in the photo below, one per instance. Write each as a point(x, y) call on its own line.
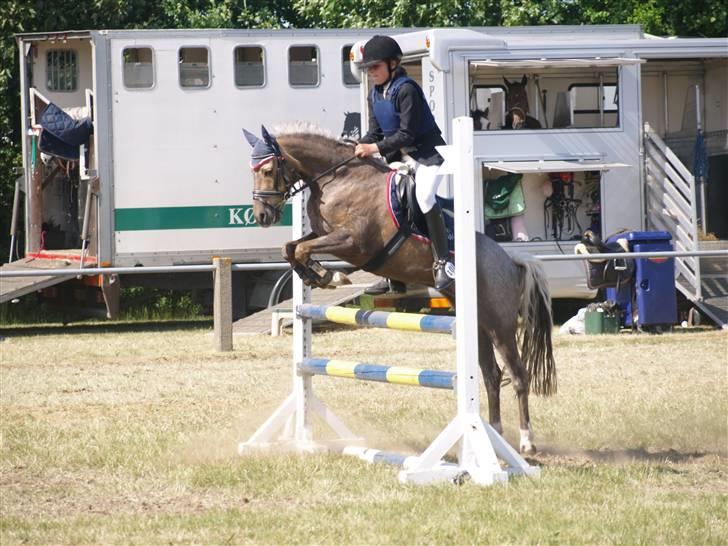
point(611, 323)
point(594, 322)
point(598, 322)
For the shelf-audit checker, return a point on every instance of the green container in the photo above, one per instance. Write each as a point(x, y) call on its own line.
point(599, 322)
point(611, 324)
point(593, 323)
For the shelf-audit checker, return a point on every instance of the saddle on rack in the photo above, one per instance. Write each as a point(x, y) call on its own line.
point(605, 273)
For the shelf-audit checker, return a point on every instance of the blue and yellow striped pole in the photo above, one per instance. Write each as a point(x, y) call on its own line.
point(365, 371)
point(379, 319)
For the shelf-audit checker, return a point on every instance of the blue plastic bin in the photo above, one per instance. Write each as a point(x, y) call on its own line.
point(653, 288)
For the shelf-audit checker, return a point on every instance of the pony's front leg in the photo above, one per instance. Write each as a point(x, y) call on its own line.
point(337, 243)
point(307, 275)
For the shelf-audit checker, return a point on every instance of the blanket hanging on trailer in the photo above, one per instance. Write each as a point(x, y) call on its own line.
point(62, 135)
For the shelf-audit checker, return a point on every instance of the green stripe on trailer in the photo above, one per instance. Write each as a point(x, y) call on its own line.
point(206, 217)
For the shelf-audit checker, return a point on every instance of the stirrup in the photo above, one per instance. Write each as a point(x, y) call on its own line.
point(443, 272)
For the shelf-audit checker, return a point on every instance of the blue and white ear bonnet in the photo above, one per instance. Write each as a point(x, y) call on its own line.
point(264, 149)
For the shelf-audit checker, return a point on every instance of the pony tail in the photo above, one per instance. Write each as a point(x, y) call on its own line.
point(536, 326)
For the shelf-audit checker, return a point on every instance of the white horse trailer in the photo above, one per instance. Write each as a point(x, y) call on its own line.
point(164, 155)
point(607, 98)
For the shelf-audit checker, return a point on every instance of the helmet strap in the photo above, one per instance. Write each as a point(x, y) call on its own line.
point(390, 69)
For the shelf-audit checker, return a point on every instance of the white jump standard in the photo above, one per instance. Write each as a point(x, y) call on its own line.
point(479, 446)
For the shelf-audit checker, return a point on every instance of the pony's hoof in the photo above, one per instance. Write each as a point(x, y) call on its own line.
point(339, 279)
point(526, 444)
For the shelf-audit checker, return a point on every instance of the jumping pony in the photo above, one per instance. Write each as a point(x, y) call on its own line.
point(350, 218)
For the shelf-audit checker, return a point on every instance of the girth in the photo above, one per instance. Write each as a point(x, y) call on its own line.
point(406, 195)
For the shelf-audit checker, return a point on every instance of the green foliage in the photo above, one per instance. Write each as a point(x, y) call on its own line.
point(398, 13)
point(137, 304)
point(154, 304)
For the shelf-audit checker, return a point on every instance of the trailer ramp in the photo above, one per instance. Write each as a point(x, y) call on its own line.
point(670, 204)
point(260, 322)
point(14, 287)
point(714, 284)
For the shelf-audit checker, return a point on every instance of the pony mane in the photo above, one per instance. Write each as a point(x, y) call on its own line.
point(305, 128)
point(315, 135)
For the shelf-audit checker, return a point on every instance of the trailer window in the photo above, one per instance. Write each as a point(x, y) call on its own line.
point(347, 77)
point(62, 70)
point(249, 66)
point(487, 107)
point(553, 94)
point(194, 67)
point(303, 66)
point(138, 67)
point(589, 107)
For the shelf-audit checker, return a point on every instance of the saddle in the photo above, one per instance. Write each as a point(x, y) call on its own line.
point(405, 209)
point(609, 273)
point(404, 183)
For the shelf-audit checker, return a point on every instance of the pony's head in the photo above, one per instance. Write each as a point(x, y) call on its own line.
point(271, 184)
point(517, 99)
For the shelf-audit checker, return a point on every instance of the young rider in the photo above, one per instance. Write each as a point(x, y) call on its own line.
point(402, 128)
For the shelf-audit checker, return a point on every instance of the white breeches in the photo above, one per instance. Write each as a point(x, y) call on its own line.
point(428, 182)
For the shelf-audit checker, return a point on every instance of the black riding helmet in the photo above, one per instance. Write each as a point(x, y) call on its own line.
point(380, 48)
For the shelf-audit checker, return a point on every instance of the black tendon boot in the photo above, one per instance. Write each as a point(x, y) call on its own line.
point(442, 269)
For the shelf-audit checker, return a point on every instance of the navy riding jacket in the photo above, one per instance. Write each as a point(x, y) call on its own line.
point(400, 119)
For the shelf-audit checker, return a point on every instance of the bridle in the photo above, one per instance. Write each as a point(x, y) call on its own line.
point(282, 179)
point(290, 187)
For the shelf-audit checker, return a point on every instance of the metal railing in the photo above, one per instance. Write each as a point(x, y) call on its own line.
point(283, 266)
point(223, 268)
point(138, 270)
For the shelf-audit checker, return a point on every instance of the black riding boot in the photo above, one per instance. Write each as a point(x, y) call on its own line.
point(438, 236)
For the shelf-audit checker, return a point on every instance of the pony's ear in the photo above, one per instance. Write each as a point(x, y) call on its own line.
point(251, 138)
point(524, 80)
point(508, 84)
point(270, 140)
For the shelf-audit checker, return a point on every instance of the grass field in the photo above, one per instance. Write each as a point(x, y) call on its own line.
point(123, 434)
